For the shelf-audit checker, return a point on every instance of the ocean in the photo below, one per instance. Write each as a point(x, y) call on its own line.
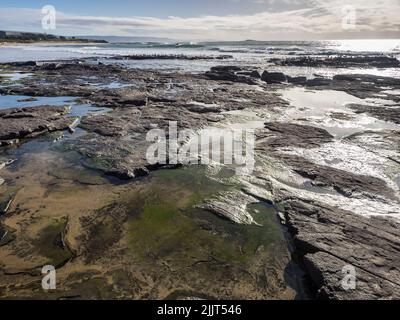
point(258, 54)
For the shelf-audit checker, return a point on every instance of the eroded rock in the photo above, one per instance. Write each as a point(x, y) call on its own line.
point(380, 61)
point(391, 114)
point(273, 77)
point(282, 135)
point(331, 239)
point(230, 73)
point(231, 206)
point(17, 123)
point(344, 182)
point(5, 202)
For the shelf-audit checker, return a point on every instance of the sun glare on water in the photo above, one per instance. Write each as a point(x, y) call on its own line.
point(369, 45)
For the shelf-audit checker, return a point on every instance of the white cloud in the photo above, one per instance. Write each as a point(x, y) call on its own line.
point(317, 20)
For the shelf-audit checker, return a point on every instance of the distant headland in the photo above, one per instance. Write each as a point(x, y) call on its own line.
point(30, 37)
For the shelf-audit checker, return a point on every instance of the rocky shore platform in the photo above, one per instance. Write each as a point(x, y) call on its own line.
point(346, 61)
point(335, 197)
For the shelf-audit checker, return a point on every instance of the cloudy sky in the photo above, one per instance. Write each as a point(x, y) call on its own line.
point(211, 19)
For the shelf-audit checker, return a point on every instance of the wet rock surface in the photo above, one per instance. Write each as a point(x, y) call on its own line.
point(391, 114)
point(380, 61)
point(359, 85)
point(233, 74)
point(387, 143)
point(331, 240)
point(231, 206)
point(346, 183)
point(122, 159)
point(273, 77)
point(117, 144)
point(294, 135)
point(18, 123)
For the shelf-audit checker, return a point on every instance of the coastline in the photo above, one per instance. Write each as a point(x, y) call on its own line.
point(329, 207)
point(48, 43)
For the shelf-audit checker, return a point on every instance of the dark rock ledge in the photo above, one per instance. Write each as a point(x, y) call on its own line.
point(346, 183)
point(327, 239)
point(284, 135)
point(233, 74)
point(18, 123)
point(379, 61)
point(391, 114)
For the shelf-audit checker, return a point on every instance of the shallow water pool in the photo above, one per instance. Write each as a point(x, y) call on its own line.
point(329, 110)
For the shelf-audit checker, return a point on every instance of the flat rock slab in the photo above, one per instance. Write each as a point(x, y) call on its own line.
point(391, 114)
point(344, 61)
point(114, 125)
point(330, 239)
point(122, 159)
point(327, 272)
point(362, 86)
point(387, 143)
point(116, 142)
point(346, 183)
point(233, 74)
point(17, 123)
point(231, 206)
point(281, 135)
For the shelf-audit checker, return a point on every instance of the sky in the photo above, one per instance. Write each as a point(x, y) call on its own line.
point(195, 20)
